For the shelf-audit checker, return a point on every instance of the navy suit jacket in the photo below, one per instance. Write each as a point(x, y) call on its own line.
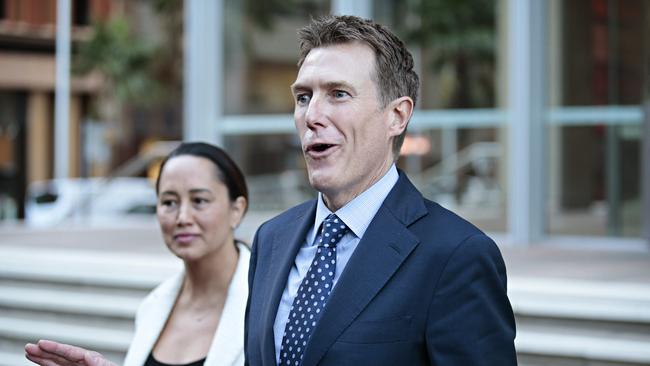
point(423, 287)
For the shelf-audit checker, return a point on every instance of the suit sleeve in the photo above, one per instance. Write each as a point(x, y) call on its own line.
point(470, 320)
point(251, 276)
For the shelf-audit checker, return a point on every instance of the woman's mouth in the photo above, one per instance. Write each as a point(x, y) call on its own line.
point(184, 238)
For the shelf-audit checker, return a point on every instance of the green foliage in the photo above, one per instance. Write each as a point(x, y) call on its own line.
point(456, 25)
point(264, 13)
point(461, 36)
point(137, 71)
point(125, 61)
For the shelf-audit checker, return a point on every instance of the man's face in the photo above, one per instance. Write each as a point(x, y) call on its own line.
point(344, 132)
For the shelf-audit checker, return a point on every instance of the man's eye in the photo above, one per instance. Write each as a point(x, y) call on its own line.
point(302, 99)
point(340, 94)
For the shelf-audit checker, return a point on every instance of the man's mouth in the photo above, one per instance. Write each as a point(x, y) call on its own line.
point(320, 149)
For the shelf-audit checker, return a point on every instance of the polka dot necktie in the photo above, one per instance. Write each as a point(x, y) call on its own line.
point(312, 293)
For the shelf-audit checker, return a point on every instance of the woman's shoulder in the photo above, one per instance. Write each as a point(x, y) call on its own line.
point(166, 291)
point(244, 254)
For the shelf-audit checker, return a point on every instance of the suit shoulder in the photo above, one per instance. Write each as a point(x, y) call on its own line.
point(447, 216)
point(455, 227)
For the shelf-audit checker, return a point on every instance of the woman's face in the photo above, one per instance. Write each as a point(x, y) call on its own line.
point(196, 215)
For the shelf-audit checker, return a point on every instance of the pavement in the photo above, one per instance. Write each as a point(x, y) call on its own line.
point(554, 262)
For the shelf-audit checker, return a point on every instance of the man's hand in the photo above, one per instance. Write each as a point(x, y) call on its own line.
point(49, 353)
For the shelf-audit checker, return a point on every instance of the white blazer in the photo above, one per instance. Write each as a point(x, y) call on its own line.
point(228, 343)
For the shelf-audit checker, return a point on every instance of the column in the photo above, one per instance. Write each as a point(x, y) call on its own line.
point(74, 136)
point(360, 8)
point(39, 139)
point(203, 71)
point(526, 125)
point(62, 93)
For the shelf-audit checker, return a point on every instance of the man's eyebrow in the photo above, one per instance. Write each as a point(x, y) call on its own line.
point(339, 85)
point(298, 87)
point(328, 85)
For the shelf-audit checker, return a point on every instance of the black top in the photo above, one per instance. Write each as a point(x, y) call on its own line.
point(153, 362)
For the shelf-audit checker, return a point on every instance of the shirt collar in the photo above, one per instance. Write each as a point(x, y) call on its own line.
point(358, 213)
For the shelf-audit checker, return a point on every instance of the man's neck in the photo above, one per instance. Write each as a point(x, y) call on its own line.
point(335, 200)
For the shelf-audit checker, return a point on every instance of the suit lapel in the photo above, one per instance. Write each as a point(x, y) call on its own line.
point(286, 244)
point(385, 245)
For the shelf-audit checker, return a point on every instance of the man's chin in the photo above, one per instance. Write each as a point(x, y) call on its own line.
point(320, 182)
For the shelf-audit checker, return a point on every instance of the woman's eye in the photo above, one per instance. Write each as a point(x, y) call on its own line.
point(168, 203)
point(199, 201)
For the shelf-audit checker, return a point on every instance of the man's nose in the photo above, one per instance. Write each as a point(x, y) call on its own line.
point(314, 116)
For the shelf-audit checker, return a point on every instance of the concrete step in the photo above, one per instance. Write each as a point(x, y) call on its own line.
point(13, 359)
point(88, 298)
point(570, 322)
point(80, 297)
point(620, 302)
point(69, 302)
point(551, 348)
point(87, 268)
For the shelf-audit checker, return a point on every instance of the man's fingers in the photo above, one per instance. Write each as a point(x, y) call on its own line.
point(50, 353)
point(37, 355)
point(65, 351)
point(44, 361)
point(31, 348)
point(96, 359)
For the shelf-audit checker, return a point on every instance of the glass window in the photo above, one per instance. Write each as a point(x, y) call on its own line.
point(274, 168)
point(596, 68)
point(460, 168)
point(261, 52)
point(452, 156)
point(455, 46)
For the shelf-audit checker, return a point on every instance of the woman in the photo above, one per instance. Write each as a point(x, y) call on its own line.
point(197, 316)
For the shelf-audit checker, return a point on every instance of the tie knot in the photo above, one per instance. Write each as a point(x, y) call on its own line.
point(333, 230)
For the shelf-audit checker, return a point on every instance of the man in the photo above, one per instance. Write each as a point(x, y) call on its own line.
point(369, 273)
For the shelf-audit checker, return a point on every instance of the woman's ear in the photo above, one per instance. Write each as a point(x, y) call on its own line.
point(238, 208)
point(400, 111)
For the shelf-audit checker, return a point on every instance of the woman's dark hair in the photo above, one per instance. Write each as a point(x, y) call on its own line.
point(227, 171)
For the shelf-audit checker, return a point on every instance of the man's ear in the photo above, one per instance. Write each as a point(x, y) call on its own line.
point(400, 111)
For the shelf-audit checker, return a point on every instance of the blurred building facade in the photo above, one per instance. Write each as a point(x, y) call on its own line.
point(529, 122)
point(27, 84)
point(103, 132)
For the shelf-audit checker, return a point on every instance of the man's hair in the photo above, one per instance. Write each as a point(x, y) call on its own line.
point(394, 74)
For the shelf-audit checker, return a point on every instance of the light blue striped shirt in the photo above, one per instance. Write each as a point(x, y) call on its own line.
point(357, 215)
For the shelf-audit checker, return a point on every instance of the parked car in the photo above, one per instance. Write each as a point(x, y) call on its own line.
point(93, 200)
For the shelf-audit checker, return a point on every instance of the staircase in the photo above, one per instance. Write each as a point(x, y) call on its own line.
point(581, 323)
point(89, 297)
